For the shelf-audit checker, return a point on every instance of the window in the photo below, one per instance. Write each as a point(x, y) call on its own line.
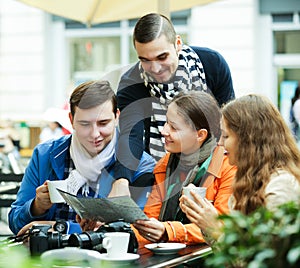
point(90, 58)
point(99, 49)
point(286, 42)
point(280, 18)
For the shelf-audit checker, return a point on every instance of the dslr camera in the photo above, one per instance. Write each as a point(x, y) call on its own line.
point(41, 239)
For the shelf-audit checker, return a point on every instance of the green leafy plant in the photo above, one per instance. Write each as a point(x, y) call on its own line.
point(15, 257)
point(261, 239)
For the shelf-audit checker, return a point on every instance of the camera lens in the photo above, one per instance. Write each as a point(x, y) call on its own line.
point(60, 226)
point(86, 240)
point(57, 240)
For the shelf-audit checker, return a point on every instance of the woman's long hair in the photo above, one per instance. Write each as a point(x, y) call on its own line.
point(265, 144)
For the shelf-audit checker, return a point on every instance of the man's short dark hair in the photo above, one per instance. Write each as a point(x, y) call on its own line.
point(91, 94)
point(151, 27)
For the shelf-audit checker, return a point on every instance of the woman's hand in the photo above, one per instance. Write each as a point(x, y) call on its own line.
point(201, 212)
point(152, 229)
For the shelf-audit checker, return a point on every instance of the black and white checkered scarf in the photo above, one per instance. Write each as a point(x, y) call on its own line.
point(189, 76)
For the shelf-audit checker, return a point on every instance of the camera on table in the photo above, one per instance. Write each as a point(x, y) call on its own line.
point(93, 239)
point(41, 239)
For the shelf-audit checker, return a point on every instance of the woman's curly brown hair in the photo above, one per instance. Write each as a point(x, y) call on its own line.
point(265, 144)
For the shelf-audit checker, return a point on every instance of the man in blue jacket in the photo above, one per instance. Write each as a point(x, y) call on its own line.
point(166, 66)
point(85, 159)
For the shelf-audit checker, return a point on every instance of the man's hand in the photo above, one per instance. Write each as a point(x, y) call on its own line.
point(26, 228)
point(120, 188)
point(42, 201)
point(88, 225)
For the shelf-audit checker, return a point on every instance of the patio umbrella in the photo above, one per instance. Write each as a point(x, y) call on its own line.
point(98, 11)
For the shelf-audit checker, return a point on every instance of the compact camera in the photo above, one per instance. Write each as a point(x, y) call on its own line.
point(41, 239)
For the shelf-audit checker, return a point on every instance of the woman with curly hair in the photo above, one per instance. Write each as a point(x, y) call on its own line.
point(259, 142)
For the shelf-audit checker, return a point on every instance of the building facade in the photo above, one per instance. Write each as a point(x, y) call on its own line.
point(42, 57)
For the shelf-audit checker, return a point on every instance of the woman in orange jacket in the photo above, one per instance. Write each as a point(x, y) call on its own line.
point(193, 157)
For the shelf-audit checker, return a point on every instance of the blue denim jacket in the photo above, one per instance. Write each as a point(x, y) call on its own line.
point(48, 163)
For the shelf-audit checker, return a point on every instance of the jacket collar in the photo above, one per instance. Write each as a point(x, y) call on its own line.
point(58, 154)
point(214, 168)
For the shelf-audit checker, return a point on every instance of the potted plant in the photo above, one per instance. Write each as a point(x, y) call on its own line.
point(261, 239)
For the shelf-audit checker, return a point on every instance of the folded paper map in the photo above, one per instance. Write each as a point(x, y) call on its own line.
point(105, 209)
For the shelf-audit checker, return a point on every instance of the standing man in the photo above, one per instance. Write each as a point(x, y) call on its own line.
point(85, 159)
point(166, 66)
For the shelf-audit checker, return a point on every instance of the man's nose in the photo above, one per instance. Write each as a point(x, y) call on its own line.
point(96, 131)
point(155, 67)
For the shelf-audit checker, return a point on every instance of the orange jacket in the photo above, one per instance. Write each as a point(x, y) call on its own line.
point(219, 190)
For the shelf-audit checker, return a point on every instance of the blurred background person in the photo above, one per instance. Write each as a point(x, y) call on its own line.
point(53, 130)
point(9, 148)
point(295, 113)
point(58, 124)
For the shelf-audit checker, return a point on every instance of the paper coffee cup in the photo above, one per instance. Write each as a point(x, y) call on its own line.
point(55, 196)
point(201, 191)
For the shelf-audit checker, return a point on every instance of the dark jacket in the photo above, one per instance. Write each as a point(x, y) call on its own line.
point(134, 101)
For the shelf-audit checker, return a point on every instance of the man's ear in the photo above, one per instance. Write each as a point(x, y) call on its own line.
point(202, 135)
point(117, 117)
point(178, 43)
point(71, 118)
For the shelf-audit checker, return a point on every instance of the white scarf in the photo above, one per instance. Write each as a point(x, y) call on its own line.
point(87, 168)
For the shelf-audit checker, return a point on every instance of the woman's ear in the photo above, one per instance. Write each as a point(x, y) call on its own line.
point(202, 134)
